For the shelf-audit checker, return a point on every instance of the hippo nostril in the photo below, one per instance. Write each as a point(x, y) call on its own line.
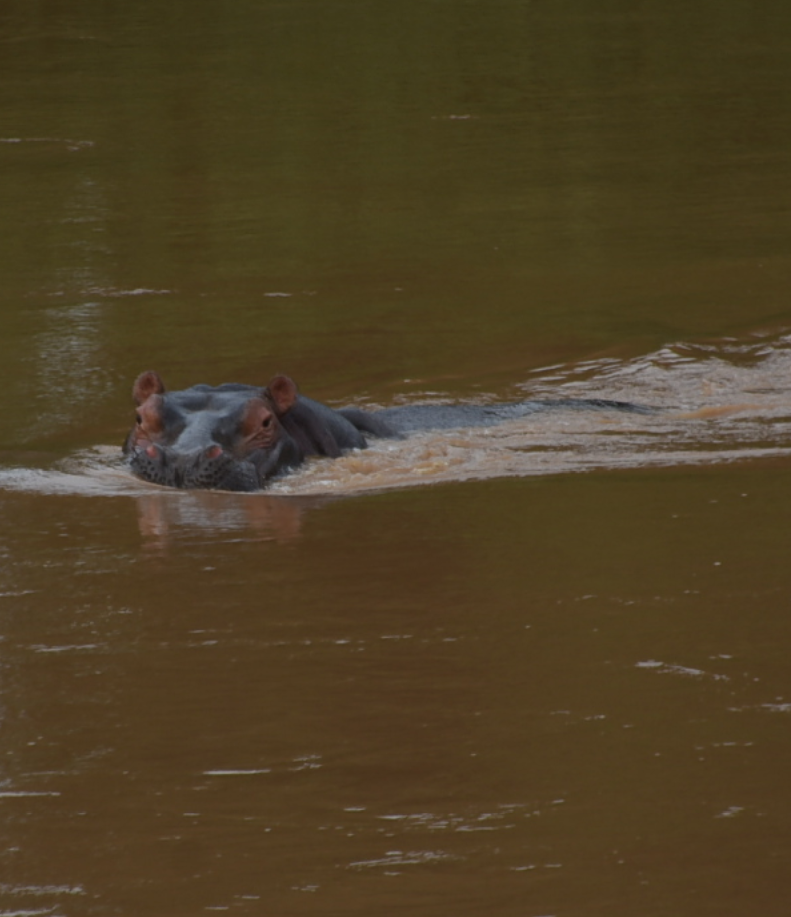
point(213, 452)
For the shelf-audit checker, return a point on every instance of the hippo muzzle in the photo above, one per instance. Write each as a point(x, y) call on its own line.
point(210, 468)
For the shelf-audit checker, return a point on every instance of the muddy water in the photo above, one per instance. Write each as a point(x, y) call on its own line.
point(535, 670)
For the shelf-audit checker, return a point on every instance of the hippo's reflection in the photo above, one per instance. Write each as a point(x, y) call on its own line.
point(261, 516)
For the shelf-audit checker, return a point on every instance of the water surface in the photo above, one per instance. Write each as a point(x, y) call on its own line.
point(534, 670)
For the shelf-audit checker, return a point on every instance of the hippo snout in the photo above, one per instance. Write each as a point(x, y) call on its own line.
point(206, 468)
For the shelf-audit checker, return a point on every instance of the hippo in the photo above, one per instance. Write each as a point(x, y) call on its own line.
point(230, 437)
point(240, 437)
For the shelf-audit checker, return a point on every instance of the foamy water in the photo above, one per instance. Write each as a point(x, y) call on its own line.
point(720, 402)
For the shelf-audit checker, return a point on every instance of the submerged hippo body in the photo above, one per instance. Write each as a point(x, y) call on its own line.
point(412, 418)
point(239, 437)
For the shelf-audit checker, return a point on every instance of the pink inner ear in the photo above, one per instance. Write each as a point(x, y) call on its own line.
point(147, 384)
point(283, 392)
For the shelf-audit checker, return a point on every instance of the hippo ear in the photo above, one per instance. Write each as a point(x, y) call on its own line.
point(283, 392)
point(146, 385)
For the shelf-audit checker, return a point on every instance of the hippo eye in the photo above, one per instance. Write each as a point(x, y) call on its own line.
point(267, 421)
point(138, 419)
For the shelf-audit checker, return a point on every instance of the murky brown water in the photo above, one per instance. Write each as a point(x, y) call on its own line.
point(539, 669)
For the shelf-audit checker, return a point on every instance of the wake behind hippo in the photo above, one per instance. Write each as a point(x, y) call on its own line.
point(240, 437)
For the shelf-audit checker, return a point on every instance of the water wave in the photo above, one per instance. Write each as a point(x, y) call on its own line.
point(720, 402)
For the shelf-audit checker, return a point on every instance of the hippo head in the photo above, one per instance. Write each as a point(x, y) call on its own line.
point(228, 437)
